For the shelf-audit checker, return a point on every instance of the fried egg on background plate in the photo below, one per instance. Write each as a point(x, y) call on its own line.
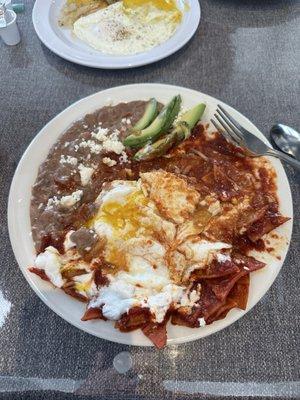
point(151, 243)
point(129, 26)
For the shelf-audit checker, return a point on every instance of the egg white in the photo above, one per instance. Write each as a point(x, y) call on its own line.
point(143, 276)
point(114, 31)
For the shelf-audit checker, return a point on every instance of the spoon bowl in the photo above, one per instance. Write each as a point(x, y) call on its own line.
point(286, 139)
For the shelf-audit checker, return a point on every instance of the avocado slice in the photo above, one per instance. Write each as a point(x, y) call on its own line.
point(180, 132)
point(149, 115)
point(160, 125)
point(161, 146)
point(192, 116)
point(173, 113)
point(156, 149)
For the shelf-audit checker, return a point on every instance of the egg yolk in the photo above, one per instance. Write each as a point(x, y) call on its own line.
point(82, 286)
point(125, 218)
point(164, 5)
point(116, 257)
point(80, 3)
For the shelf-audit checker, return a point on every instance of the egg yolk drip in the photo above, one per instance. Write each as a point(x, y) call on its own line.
point(125, 218)
point(116, 257)
point(128, 219)
point(82, 286)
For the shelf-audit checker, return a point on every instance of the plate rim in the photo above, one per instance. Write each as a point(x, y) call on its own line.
point(85, 327)
point(125, 65)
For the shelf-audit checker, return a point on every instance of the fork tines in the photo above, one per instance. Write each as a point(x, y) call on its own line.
point(228, 127)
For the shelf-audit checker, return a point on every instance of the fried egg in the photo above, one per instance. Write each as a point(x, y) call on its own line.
point(129, 28)
point(175, 199)
point(150, 258)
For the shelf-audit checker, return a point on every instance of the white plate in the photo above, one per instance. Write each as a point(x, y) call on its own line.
point(66, 45)
point(19, 221)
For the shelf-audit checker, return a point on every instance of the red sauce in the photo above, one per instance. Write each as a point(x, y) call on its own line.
point(208, 162)
point(243, 244)
point(214, 167)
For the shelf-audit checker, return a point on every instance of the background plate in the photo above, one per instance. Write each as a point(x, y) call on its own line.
point(66, 45)
point(19, 220)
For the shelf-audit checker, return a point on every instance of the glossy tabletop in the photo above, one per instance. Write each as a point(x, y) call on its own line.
point(247, 54)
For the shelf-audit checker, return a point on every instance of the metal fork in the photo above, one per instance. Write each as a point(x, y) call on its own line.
point(239, 136)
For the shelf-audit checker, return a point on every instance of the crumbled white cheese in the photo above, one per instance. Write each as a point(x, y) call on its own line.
point(201, 322)
point(247, 269)
point(66, 201)
point(108, 161)
point(123, 158)
point(72, 199)
point(109, 142)
point(113, 146)
point(68, 160)
point(224, 194)
point(85, 174)
point(100, 134)
point(221, 257)
point(182, 111)
point(126, 121)
point(115, 135)
point(93, 146)
point(53, 201)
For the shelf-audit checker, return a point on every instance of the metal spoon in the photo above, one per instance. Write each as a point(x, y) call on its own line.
point(286, 139)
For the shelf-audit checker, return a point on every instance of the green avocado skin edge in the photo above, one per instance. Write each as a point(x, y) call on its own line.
point(159, 126)
point(157, 149)
point(148, 116)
